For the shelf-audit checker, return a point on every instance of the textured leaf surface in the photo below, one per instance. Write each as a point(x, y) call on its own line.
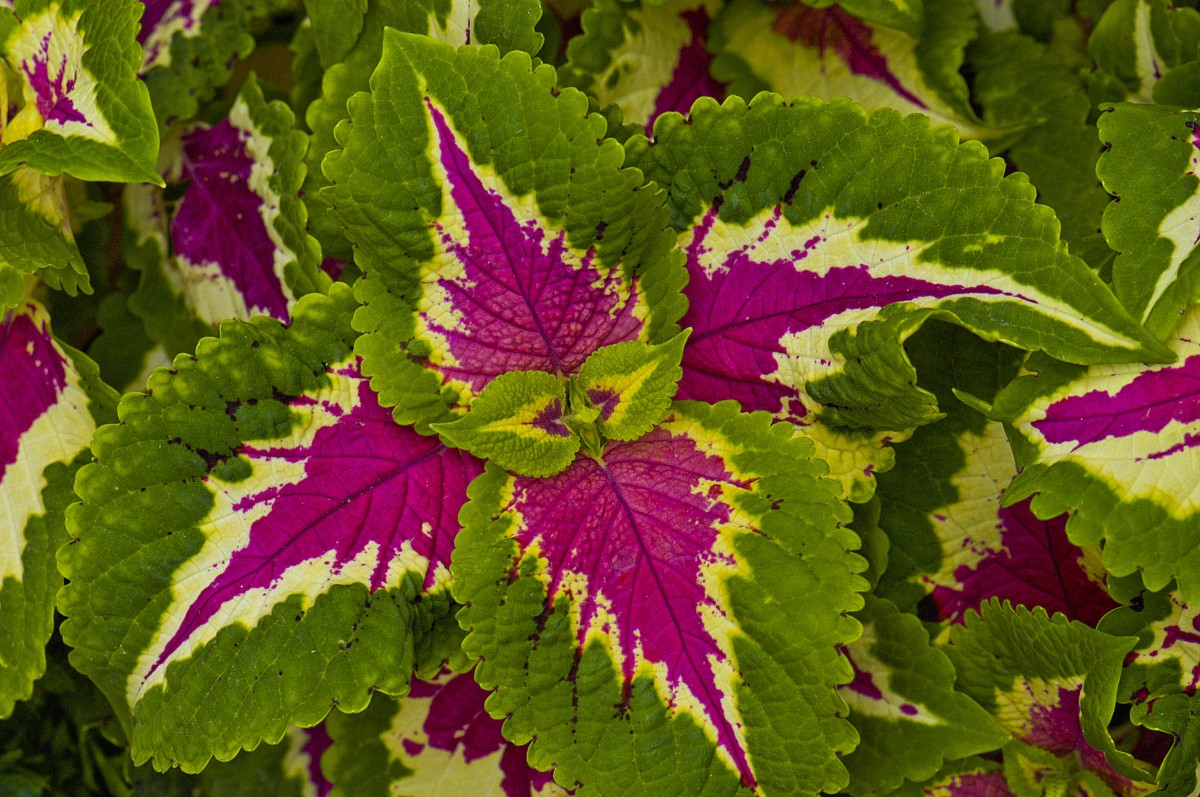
point(1151, 164)
point(45, 422)
point(1179, 715)
point(1051, 683)
point(516, 243)
point(83, 111)
point(973, 777)
point(238, 242)
point(631, 385)
point(36, 236)
point(1117, 444)
point(1167, 657)
point(794, 49)
point(647, 58)
point(519, 422)
point(291, 768)
point(509, 25)
point(282, 533)
point(437, 741)
point(693, 580)
point(904, 707)
point(818, 239)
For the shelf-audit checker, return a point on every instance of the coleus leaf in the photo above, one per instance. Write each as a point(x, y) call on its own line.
point(1178, 715)
point(49, 399)
point(650, 615)
point(1136, 42)
point(517, 241)
point(36, 236)
point(292, 768)
point(1166, 659)
point(970, 777)
point(647, 58)
point(189, 48)
point(905, 15)
point(509, 24)
point(794, 49)
point(83, 109)
point(438, 740)
point(631, 385)
point(904, 707)
point(1050, 682)
point(238, 234)
point(519, 422)
point(817, 241)
point(1116, 445)
point(261, 579)
point(1153, 226)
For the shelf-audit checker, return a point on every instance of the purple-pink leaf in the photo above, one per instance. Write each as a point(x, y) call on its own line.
point(161, 20)
point(346, 497)
point(508, 293)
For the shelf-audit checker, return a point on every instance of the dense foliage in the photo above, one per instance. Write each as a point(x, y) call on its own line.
point(534, 397)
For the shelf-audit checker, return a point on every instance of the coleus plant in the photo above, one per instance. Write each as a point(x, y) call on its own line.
point(521, 398)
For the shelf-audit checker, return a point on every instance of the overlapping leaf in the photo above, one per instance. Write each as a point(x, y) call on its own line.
point(47, 399)
point(630, 385)
point(508, 238)
point(509, 25)
point(1137, 43)
point(257, 541)
point(1167, 657)
point(795, 49)
point(647, 58)
point(291, 768)
point(904, 707)
point(953, 543)
point(819, 238)
point(238, 240)
point(36, 236)
point(1117, 444)
point(437, 741)
point(1052, 684)
point(1151, 165)
point(82, 109)
point(669, 612)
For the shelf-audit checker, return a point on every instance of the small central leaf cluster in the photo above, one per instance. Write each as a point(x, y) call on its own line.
point(533, 423)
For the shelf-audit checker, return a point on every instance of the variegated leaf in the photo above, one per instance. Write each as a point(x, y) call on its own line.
point(238, 241)
point(520, 421)
point(631, 385)
point(48, 408)
point(509, 25)
point(517, 242)
point(82, 109)
point(818, 239)
point(36, 236)
point(1052, 684)
point(1116, 445)
point(1167, 657)
point(292, 768)
point(1151, 165)
point(257, 533)
point(647, 58)
point(794, 49)
point(1137, 42)
point(903, 704)
point(649, 616)
point(437, 741)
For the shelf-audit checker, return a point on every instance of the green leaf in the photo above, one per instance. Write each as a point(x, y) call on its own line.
point(36, 236)
point(520, 422)
point(336, 26)
point(291, 768)
point(509, 237)
point(669, 613)
point(1178, 715)
point(631, 385)
point(1166, 659)
point(904, 707)
point(508, 24)
point(86, 113)
point(1116, 446)
point(1050, 682)
point(1150, 163)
